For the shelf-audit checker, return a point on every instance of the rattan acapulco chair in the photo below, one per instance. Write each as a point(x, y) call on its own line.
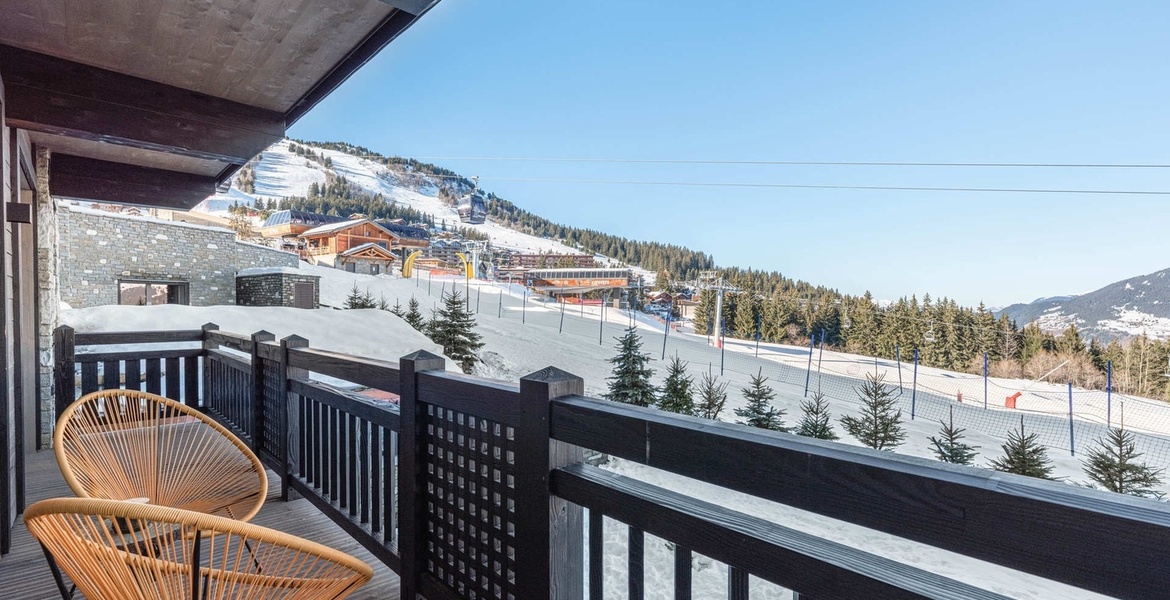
point(129, 445)
point(97, 543)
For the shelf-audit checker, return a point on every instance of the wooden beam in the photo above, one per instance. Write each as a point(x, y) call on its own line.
point(104, 181)
point(55, 96)
point(414, 7)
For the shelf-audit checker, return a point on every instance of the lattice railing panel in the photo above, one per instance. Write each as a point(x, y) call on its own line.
point(470, 504)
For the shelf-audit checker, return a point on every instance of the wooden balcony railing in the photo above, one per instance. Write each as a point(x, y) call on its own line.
point(473, 488)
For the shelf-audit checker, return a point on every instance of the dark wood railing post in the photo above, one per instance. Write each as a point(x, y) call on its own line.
point(290, 424)
point(207, 345)
point(412, 470)
point(549, 531)
point(257, 392)
point(64, 376)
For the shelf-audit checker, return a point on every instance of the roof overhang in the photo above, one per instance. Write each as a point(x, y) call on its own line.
point(158, 102)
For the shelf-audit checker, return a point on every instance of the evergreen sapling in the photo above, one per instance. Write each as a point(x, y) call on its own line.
point(630, 383)
point(880, 424)
point(712, 397)
point(414, 316)
point(1024, 455)
point(759, 412)
point(815, 420)
point(1113, 465)
point(949, 447)
point(677, 393)
point(452, 327)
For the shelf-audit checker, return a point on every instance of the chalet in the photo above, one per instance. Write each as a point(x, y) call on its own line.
point(357, 246)
point(407, 238)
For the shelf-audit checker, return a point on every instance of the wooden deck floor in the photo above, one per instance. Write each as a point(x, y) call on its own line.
point(24, 574)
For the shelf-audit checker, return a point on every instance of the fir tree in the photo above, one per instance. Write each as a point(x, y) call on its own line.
point(1112, 465)
point(677, 393)
point(745, 317)
point(414, 316)
point(397, 310)
point(759, 411)
point(630, 383)
point(880, 423)
point(948, 447)
point(712, 397)
point(453, 329)
point(356, 299)
point(1023, 455)
point(816, 421)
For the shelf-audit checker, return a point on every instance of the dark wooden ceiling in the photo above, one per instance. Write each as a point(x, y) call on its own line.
point(190, 90)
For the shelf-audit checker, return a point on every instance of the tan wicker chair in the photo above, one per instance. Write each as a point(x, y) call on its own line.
point(99, 545)
point(130, 445)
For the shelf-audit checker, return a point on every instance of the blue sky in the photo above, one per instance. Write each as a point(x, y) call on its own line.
point(1051, 82)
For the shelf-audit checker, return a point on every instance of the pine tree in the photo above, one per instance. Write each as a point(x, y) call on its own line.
point(745, 317)
point(677, 393)
point(630, 383)
point(759, 411)
point(712, 397)
point(1112, 465)
point(948, 447)
point(414, 316)
point(397, 310)
point(356, 299)
point(816, 421)
point(453, 328)
point(1023, 455)
point(880, 423)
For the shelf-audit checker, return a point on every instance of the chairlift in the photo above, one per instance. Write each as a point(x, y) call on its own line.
point(847, 323)
point(929, 336)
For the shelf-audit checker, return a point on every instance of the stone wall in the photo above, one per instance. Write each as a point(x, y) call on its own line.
point(48, 240)
point(98, 248)
point(274, 288)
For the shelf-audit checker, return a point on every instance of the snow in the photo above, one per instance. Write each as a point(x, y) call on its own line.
point(129, 217)
point(521, 336)
point(220, 203)
point(268, 271)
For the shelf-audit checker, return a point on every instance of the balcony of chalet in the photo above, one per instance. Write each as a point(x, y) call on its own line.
point(476, 488)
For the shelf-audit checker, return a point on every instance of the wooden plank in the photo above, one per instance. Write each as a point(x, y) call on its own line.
point(154, 375)
point(382, 414)
point(235, 341)
point(173, 378)
point(190, 380)
point(635, 565)
point(229, 360)
point(472, 395)
point(138, 337)
point(682, 572)
point(134, 374)
point(373, 373)
point(89, 378)
point(137, 354)
point(1067, 533)
point(784, 556)
point(105, 181)
point(60, 97)
point(596, 555)
point(63, 368)
point(412, 540)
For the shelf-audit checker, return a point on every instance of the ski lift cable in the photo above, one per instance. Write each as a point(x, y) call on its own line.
point(742, 184)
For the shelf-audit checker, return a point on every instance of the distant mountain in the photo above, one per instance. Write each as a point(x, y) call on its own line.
point(1117, 311)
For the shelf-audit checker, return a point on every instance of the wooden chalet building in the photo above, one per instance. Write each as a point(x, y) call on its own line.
point(360, 245)
point(292, 223)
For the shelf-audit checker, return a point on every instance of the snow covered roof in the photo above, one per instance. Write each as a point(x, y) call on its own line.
point(337, 227)
point(404, 231)
point(367, 246)
point(300, 217)
point(270, 271)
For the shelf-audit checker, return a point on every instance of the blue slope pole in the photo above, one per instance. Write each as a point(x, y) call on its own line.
point(914, 390)
point(808, 372)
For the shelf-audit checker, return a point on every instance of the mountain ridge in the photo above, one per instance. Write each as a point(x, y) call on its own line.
point(1121, 310)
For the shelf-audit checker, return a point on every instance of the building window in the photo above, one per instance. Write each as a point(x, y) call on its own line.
point(148, 293)
point(375, 269)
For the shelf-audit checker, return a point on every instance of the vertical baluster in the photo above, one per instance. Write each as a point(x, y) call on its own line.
point(596, 545)
point(682, 573)
point(367, 471)
point(637, 571)
point(377, 474)
point(190, 380)
point(737, 584)
point(89, 378)
point(111, 375)
point(154, 375)
point(352, 465)
point(173, 378)
point(134, 374)
point(333, 470)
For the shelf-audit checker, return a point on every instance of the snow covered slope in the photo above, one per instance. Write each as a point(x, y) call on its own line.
point(1119, 310)
point(280, 173)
